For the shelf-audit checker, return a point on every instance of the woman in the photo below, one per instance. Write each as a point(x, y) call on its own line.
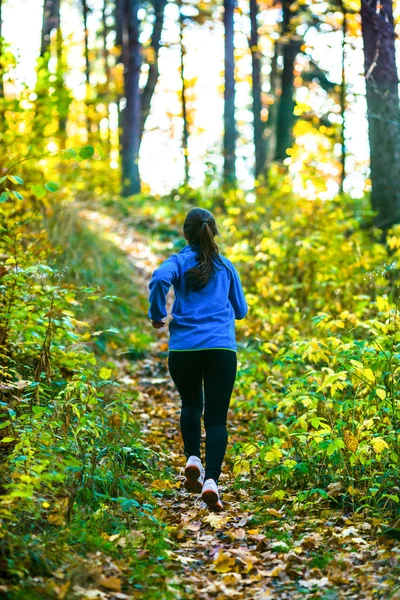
point(202, 347)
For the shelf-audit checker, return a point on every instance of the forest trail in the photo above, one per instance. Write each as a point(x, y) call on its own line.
point(252, 549)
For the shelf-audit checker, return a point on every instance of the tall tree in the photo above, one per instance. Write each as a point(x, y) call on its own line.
point(131, 115)
point(185, 128)
point(343, 95)
point(153, 72)
point(1, 48)
point(138, 101)
point(258, 124)
point(107, 70)
point(230, 132)
point(285, 117)
point(58, 100)
point(383, 111)
point(85, 13)
point(51, 21)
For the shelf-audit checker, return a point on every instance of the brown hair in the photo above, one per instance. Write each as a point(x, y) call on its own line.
point(200, 228)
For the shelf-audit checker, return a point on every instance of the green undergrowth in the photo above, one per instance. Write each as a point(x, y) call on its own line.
point(75, 472)
point(86, 258)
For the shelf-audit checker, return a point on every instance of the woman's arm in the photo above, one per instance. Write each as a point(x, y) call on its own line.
point(161, 281)
point(236, 295)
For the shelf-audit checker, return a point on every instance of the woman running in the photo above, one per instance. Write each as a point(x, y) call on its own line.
point(202, 346)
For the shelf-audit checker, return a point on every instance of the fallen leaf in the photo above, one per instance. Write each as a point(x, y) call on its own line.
point(224, 562)
point(111, 583)
point(216, 521)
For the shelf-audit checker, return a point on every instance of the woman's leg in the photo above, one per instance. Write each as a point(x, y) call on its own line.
point(186, 371)
point(219, 378)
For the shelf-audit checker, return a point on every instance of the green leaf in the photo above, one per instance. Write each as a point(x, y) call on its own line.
point(2, 179)
point(7, 439)
point(17, 195)
point(51, 186)
point(4, 197)
point(69, 153)
point(86, 152)
point(38, 191)
point(15, 179)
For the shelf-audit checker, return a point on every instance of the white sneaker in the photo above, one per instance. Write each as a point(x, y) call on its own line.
point(194, 474)
point(210, 495)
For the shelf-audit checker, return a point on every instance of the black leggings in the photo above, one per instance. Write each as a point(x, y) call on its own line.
point(217, 368)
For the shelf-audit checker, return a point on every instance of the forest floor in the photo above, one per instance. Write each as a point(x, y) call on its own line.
point(255, 548)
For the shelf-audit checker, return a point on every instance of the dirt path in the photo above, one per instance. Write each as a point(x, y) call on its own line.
point(251, 550)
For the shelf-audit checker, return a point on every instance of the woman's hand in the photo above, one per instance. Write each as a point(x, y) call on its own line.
point(157, 324)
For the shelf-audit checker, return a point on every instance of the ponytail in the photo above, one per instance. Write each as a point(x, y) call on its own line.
point(200, 227)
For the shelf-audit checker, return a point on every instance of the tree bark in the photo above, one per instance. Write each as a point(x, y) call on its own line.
point(185, 128)
point(258, 124)
point(51, 20)
point(131, 115)
point(230, 133)
point(85, 12)
point(383, 112)
point(148, 90)
point(343, 97)
point(285, 120)
point(106, 70)
point(270, 133)
point(63, 98)
point(1, 49)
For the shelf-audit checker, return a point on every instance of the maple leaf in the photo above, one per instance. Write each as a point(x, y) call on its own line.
point(224, 562)
point(216, 521)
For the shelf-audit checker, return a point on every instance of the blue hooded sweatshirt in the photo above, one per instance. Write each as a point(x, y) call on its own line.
point(203, 319)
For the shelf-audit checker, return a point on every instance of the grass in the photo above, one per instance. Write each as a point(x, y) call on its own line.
point(88, 259)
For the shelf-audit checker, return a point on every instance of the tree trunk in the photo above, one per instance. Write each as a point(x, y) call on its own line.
point(258, 124)
point(148, 91)
point(383, 112)
point(131, 115)
point(51, 20)
point(85, 12)
point(185, 129)
point(119, 21)
point(343, 98)
point(1, 50)
point(230, 134)
point(270, 132)
point(63, 98)
point(285, 121)
point(106, 71)
point(121, 43)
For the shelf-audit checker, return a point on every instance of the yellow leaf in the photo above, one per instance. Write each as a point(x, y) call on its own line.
point(111, 583)
point(368, 373)
point(381, 394)
point(249, 449)
point(382, 303)
point(161, 484)
point(216, 521)
point(224, 562)
point(240, 467)
point(105, 373)
point(350, 440)
point(56, 519)
point(357, 364)
point(379, 444)
point(273, 454)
